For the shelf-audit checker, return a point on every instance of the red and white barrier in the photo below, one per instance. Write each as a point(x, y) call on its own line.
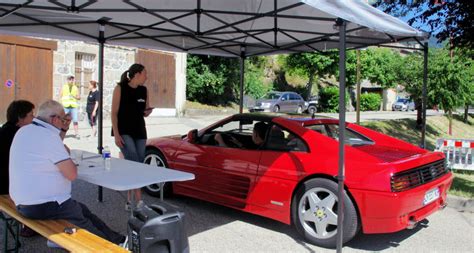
point(459, 152)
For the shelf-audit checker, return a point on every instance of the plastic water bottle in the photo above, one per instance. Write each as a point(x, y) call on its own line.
point(106, 157)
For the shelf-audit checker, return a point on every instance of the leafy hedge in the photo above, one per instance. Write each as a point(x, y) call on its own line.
point(370, 102)
point(329, 99)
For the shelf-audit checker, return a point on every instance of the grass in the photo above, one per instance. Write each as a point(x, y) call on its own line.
point(436, 127)
point(463, 184)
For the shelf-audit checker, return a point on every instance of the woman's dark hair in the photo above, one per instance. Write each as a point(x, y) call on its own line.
point(130, 73)
point(94, 83)
point(18, 109)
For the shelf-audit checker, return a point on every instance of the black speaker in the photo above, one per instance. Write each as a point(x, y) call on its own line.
point(157, 228)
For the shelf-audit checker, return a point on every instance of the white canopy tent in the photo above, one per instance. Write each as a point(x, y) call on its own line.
point(209, 27)
point(216, 27)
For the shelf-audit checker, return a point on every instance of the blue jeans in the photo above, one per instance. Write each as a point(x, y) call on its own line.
point(133, 149)
point(74, 212)
point(73, 112)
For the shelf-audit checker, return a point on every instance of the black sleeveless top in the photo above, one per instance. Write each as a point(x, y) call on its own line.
point(131, 109)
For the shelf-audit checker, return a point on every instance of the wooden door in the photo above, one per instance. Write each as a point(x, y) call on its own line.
point(28, 63)
point(161, 83)
point(7, 73)
point(34, 74)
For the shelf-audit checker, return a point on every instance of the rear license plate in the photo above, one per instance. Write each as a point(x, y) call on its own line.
point(431, 196)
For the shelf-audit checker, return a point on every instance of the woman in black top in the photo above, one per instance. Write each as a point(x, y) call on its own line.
point(130, 104)
point(92, 105)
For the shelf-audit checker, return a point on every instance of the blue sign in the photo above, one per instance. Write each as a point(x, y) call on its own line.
point(9, 83)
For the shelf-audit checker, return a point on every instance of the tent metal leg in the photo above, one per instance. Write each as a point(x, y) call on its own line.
point(342, 125)
point(242, 76)
point(101, 102)
point(424, 92)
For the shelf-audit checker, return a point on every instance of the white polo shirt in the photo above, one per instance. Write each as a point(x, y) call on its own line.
point(34, 176)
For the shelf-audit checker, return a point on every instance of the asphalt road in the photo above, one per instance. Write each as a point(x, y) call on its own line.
point(212, 228)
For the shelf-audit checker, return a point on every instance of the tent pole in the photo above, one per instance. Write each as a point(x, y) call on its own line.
point(101, 94)
point(242, 76)
point(342, 125)
point(425, 99)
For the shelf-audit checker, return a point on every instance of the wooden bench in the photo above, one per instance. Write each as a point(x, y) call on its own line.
point(53, 230)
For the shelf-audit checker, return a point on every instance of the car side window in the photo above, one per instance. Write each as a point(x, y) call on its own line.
point(332, 130)
point(285, 97)
point(283, 140)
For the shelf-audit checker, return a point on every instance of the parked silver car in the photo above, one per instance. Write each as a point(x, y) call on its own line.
point(277, 101)
point(403, 104)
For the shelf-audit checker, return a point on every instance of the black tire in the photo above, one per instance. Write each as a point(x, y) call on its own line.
point(154, 156)
point(312, 109)
point(276, 108)
point(324, 213)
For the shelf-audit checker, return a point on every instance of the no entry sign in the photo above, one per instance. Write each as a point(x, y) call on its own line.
point(8, 83)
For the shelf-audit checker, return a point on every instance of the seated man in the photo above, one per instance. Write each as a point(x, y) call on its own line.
point(258, 137)
point(41, 172)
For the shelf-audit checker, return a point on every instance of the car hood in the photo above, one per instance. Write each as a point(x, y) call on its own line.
point(386, 154)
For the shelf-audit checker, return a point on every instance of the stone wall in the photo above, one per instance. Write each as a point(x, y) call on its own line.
point(116, 61)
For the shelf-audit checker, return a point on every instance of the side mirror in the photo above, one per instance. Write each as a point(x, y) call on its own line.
point(192, 136)
point(283, 99)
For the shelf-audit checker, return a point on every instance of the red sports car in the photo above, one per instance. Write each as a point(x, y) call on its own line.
point(390, 184)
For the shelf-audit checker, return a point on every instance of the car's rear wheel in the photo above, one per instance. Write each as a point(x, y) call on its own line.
point(156, 158)
point(276, 108)
point(299, 110)
point(314, 213)
point(312, 109)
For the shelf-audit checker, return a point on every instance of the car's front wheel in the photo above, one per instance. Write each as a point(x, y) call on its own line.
point(314, 213)
point(276, 108)
point(156, 158)
point(312, 109)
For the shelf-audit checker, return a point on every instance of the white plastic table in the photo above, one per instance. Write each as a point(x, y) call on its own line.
point(124, 174)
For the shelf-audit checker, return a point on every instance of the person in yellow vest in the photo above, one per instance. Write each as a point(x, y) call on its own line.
point(70, 95)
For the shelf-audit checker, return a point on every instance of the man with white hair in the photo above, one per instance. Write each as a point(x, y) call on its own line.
point(41, 172)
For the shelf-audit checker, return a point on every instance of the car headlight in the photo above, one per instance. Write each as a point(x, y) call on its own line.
point(306, 104)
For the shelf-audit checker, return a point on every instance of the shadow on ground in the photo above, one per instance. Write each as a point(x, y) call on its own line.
point(202, 217)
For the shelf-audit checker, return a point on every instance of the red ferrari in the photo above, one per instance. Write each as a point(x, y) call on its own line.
point(390, 185)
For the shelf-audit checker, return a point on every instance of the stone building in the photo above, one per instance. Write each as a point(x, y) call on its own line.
point(80, 59)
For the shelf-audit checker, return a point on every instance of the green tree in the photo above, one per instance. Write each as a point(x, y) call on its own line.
point(446, 19)
point(205, 81)
point(312, 65)
point(410, 75)
point(380, 66)
point(216, 80)
point(449, 80)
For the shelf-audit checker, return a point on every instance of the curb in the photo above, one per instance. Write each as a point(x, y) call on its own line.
point(461, 204)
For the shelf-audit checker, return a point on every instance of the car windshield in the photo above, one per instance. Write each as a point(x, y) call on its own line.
point(402, 100)
point(352, 138)
point(272, 96)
